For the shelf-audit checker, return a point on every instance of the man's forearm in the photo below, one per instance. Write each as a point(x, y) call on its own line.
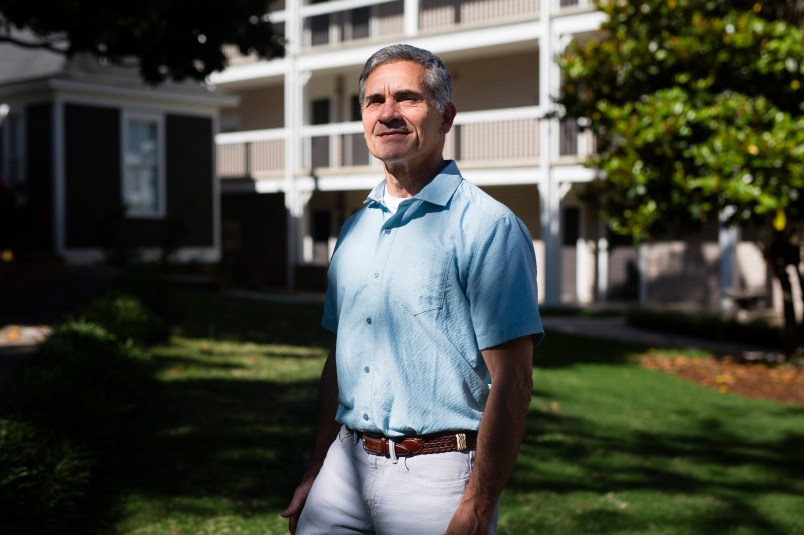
point(326, 427)
point(501, 429)
point(326, 430)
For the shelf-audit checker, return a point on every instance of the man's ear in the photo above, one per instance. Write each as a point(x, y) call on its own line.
point(447, 117)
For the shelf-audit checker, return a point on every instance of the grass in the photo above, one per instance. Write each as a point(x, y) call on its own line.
point(610, 447)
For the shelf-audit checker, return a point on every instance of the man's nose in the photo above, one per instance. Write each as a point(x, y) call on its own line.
point(389, 110)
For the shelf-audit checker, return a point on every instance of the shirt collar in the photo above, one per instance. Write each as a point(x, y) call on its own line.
point(438, 191)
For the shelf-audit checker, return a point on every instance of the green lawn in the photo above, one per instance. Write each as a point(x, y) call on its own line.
point(610, 447)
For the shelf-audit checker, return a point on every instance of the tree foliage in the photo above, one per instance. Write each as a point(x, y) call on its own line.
point(165, 39)
point(698, 109)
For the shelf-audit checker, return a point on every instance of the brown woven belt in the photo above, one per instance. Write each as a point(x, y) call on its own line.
point(409, 446)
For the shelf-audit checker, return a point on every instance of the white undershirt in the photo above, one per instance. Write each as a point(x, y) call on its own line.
point(392, 202)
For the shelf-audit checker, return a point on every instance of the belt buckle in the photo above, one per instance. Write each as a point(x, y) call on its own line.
point(370, 442)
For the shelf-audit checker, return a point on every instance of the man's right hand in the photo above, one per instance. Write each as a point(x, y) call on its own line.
point(294, 509)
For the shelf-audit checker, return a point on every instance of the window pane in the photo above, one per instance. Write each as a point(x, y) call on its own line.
point(141, 179)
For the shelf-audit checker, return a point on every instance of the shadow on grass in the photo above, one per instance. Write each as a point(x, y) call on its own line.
point(215, 316)
point(558, 350)
point(205, 440)
point(703, 477)
point(243, 441)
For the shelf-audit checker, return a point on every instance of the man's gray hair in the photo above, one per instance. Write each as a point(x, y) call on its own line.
point(437, 79)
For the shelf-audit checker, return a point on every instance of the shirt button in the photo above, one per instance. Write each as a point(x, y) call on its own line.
point(366, 369)
point(387, 231)
point(365, 417)
point(376, 274)
point(368, 320)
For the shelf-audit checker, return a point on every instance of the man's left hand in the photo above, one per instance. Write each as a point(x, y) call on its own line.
point(466, 521)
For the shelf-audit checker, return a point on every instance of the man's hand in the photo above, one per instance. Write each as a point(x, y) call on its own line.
point(294, 509)
point(466, 521)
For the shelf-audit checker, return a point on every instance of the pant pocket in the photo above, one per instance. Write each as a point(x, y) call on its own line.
point(448, 470)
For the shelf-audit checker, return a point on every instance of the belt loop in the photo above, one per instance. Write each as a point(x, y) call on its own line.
point(392, 450)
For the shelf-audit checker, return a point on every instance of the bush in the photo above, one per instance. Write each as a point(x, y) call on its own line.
point(154, 289)
point(42, 480)
point(707, 326)
point(127, 318)
point(65, 414)
point(82, 383)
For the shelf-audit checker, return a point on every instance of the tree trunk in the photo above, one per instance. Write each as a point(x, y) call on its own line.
point(798, 351)
point(779, 257)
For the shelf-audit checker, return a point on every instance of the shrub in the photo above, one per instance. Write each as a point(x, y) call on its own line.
point(126, 317)
point(154, 289)
point(82, 383)
point(42, 480)
point(707, 326)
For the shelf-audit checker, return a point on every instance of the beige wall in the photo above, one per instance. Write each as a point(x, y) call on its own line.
point(262, 108)
point(498, 82)
point(523, 201)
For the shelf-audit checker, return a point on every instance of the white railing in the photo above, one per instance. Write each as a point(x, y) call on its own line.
point(504, 135)
point(443, 14)
point(490, 136)
point(339, 21)
point(251, 154)
point(328, 24)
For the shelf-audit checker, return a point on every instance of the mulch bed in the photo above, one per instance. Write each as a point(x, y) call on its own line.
point(776, 382)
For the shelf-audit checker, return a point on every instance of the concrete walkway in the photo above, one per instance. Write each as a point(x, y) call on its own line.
point(616, 328)
point(610, 328)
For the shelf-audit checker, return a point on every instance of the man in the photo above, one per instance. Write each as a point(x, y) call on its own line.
point(432, 296)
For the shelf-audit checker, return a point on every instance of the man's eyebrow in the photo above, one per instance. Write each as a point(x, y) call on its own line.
point(402, 94)
point(408, 94)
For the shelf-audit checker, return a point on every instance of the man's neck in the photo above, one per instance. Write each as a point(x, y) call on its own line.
point(405, 180)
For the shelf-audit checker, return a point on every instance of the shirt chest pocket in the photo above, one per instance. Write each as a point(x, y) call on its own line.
point(419, 281)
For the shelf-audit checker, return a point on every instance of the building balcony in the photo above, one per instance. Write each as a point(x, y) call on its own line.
point(339, 23)
point(501, 138)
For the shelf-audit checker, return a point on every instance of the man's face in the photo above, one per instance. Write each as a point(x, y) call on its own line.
point(400, 120)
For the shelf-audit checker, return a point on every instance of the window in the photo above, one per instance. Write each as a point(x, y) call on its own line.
point(143, 168)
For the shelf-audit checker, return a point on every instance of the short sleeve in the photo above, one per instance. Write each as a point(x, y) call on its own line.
point(501, 288)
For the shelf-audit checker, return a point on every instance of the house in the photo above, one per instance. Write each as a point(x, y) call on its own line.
point(107, 165)
point(293, 164)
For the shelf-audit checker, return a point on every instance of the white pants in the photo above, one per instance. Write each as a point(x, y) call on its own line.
point(358, 492)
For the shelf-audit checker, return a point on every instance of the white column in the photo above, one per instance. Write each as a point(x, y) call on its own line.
point(549, 194)
point(294, 108)
point(602, 269)
point(643, 252)
point(59, 210)
point(727, 239)
point(411, 18)
point(582, 269)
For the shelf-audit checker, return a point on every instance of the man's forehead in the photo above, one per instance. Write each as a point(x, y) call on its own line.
point(397, 71)
point(397, 78)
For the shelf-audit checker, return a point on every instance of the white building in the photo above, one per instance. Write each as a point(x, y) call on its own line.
point(293, 164)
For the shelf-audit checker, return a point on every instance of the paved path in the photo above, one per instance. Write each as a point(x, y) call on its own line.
point(616, 328)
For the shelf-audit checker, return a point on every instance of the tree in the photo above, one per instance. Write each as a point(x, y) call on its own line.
point(697, 106)
point(164, 39)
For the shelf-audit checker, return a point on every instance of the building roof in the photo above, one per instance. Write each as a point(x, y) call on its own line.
point(21, 66)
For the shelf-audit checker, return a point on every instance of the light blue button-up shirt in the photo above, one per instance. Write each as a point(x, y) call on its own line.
point(415, 296)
